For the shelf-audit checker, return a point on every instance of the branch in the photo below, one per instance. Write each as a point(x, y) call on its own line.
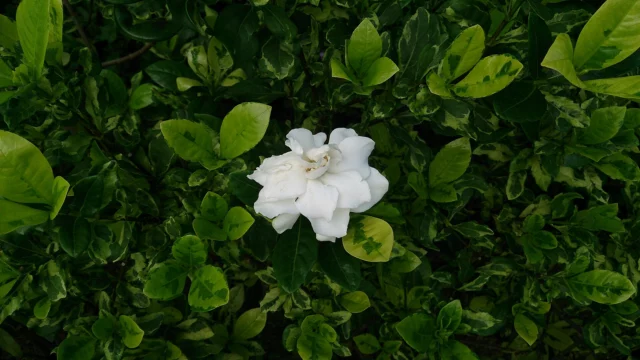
point(74, 16)
point(131, 56)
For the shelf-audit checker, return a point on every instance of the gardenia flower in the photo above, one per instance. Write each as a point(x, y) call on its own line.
point(323, 182)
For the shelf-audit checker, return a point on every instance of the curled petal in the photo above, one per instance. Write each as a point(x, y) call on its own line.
point(379, 185)
point(319, 201)
point(353, 191)
point(275, 164)
point(355, 156)
point(272, 209)
point(336, 227)
point(284, 222)
point(339, 134)
point(319, 139)
point(300, 140)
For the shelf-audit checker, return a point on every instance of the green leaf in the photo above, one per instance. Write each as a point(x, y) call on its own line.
point(602, 286)
point(339, 266)
point(364, 48)
point(539, 42)
point(610, 36)
point(32, 21)
point(209, 289)
point(625, 87)
point(237, 222)
point(166, 281)
point(472, 229)
point(26, 176)
point(42, 308)
point(418, 45)
point(103, 328)
point(312, 346)
point(7, 342)
point(8, 32)
point(367, 344)
point(52, 281)
point(75, 236)
point(526, 328)
point(77, 348)
point(338, 70)
point(619, 167)
point(418, 331)
point(192, 141)
point(369, 239)
point(560, 58)
point(6, 75)
point(450, 162)
point(213, 207)
point(464, 52)
point(455, 350)
point(520, 102)
point(450, 317)
point(443, 193)
point(355, 302)
point(142, 97)
point(489, 76)
point(294, 255)
point(380, 71)
point(243, 128)
point(130, 331)
point(17, 215)
point(190, 251)
point(604, 124)
point(244, 188)
point(165, 73)
point(59, 195)
point(515, 184)
point(276, 20)
point(603, 217)
point(249, 324)
point(438, 86)
point(277, 60)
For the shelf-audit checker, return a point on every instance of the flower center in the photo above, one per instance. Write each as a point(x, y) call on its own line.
point(317, 161)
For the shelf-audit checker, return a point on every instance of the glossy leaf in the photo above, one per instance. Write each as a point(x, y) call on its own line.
point(32, 21)
point(209, 289)
point(464, 52)
point(489, 76)
point(339, 266)
point(237, 222)
point(189, 251)
point(165, 282)
point(369, 239)
point(364, 48)
point(294, 255)
point(602, 286)
point(450, 162)
point(243, 128)
point(249, 324)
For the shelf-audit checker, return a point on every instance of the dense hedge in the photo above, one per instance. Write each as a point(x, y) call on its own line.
point(506, 149)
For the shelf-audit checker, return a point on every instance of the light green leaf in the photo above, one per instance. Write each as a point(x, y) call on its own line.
point(560, 58)
point(52, 281)
point(625, 87)
point(367, 344)
point(192, 141)
point(338, 70)
point(526, 328)
point(77, 348)
point(249, 324)
point(166, 281)
point(220, 60)
point(450, 162)
point(620, 167)
point(603, 217)
point(610, 36)
point(16, 215)
point(418, 331)
point(197, 60)
point(184, 84)
point(213, 207)
point(602, 286)
point(604, 124)
point(142, 96)
point(380, 71)
point(489, 76)
point(209, 289)
point(443, 193)
point(54, 51)
point(294, 255)
point(438, 86)
point(355, 302)
point(25, 174)
point(190, 251)
point(364, 48)
point(32, 21)
point(243, 128)
point(237, 222)
point(208, 230)
point(405, 263)
point(8, 32)
point(369, 239)
point(455, 350)
point(277, 60)
point(6, 75)
point(130, 331)
point(59, 195)
point(463, 53)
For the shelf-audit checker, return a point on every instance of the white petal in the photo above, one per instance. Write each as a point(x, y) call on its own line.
point(319, 201)
point(325, 238)
point(275, 164)
point(337, 227)
point(355, 156)
point(339, 134)
point(272, 209)
point(284, 222)
point(379, 186)
point(300, 140)
point(352, 189)
point(319, 139)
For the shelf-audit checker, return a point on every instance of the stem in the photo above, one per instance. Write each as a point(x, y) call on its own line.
point(83, 35)
point(131, 56)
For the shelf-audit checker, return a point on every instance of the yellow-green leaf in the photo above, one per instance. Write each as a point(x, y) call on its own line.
point(464, 52)
point(369, 239)
point(489, 76)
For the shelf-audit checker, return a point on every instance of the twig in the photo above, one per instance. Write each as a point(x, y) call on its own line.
point(131, 56)
point(83, 35)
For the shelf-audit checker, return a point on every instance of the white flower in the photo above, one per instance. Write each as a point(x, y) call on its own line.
point(323, 182)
